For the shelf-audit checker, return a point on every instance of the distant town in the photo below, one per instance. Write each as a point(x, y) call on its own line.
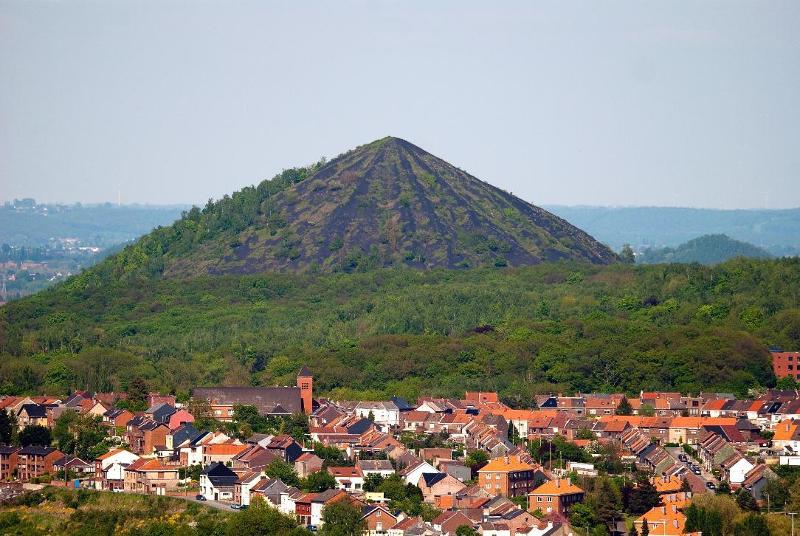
point(430, 466)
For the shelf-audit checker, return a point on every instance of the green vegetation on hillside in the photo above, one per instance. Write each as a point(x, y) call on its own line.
point(66, 512)
point(708, 249)
point(398, 331)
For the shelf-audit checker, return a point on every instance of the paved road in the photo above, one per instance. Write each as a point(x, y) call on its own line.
point(697, 482)
point(213, 504)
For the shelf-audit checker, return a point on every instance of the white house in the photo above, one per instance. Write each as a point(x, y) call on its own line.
point(112, 466)
point(217, 482)
point(385, 415)
point(412, 474)
point(375, 467)
point(246, 484)
point(737, 469)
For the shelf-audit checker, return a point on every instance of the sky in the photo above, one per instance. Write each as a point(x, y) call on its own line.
point(680, 103)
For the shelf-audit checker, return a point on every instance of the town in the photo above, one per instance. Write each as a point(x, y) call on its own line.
point(431, 467)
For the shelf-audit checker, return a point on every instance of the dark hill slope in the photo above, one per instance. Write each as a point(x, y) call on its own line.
point(388, 203)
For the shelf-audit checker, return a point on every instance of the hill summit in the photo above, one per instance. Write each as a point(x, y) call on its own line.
point(385, 203)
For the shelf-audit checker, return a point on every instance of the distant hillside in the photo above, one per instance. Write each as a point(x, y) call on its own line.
point(777, 231)
point(387, 203)
point(35, 225)
point(708, 249)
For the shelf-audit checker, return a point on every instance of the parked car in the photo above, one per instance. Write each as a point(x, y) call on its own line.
point(696, 470)
point(235, 506)
point(200, 497)
point(711, 485)
point(682, 457)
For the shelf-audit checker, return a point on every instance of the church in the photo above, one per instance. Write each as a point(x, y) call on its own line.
point(270, 401)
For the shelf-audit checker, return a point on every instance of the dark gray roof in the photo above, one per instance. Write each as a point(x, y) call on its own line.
point(359, 427)
point(265, 399)
point(432, 478)
point(304, 372)
point(220, 475)
point(34, 410)
point(187, 431)
point(401, 404)
point(36, 450)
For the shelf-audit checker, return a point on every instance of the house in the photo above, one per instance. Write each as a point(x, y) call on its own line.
point(244, 485)
point(350, 479)
point(285, 445)
point(150, 476)
point(217, 482)
point(555, 497)
point(271, 490)
point(9, 459)
point(143, 435)
point(32, 414)
point(307, 463)
point(221, 452)
point(507, 476)
point(756, 479)
point(309, 506)
point(73, 464)
point(254, 458)
point(375, 467)
point(117, 419)
point(377, 519)
point(385, 415)
point(785, 364)
point(448, 522)
point(735, 469)
point(408, 525)
point(437, 485)
point(415, 470)
point(154, 399)
point(455, 469)
point(160, 412)
point(179, 418)
point(34, 461)
point(666, 519)
point(109, 468)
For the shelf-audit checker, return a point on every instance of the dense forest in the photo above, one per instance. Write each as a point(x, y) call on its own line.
point(707, 249)
point(552, 327)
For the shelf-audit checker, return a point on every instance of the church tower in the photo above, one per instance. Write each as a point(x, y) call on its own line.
point(306, 384)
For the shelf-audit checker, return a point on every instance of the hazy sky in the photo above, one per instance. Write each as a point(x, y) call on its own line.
point(604, 103)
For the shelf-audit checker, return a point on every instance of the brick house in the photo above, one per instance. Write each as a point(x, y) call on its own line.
point(307, 463)
point(34, 461)
point(555, 497)
point(507, 476)
point(377, 519)
point(8, 462)
point(436, 485)
point(150, 476)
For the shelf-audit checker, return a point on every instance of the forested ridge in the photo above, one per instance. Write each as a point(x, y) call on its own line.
point(552, 327)
point(707, 249)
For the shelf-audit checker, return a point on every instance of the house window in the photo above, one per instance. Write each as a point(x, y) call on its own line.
point(538, 499)
point(549, 499)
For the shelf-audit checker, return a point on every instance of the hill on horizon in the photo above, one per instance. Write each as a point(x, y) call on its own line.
point(386, 203)
point(707, 249)
point(775, 230)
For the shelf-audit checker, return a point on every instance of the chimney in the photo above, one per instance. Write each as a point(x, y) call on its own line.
point(505, 459)
point(664, 510)
point(558, 482)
